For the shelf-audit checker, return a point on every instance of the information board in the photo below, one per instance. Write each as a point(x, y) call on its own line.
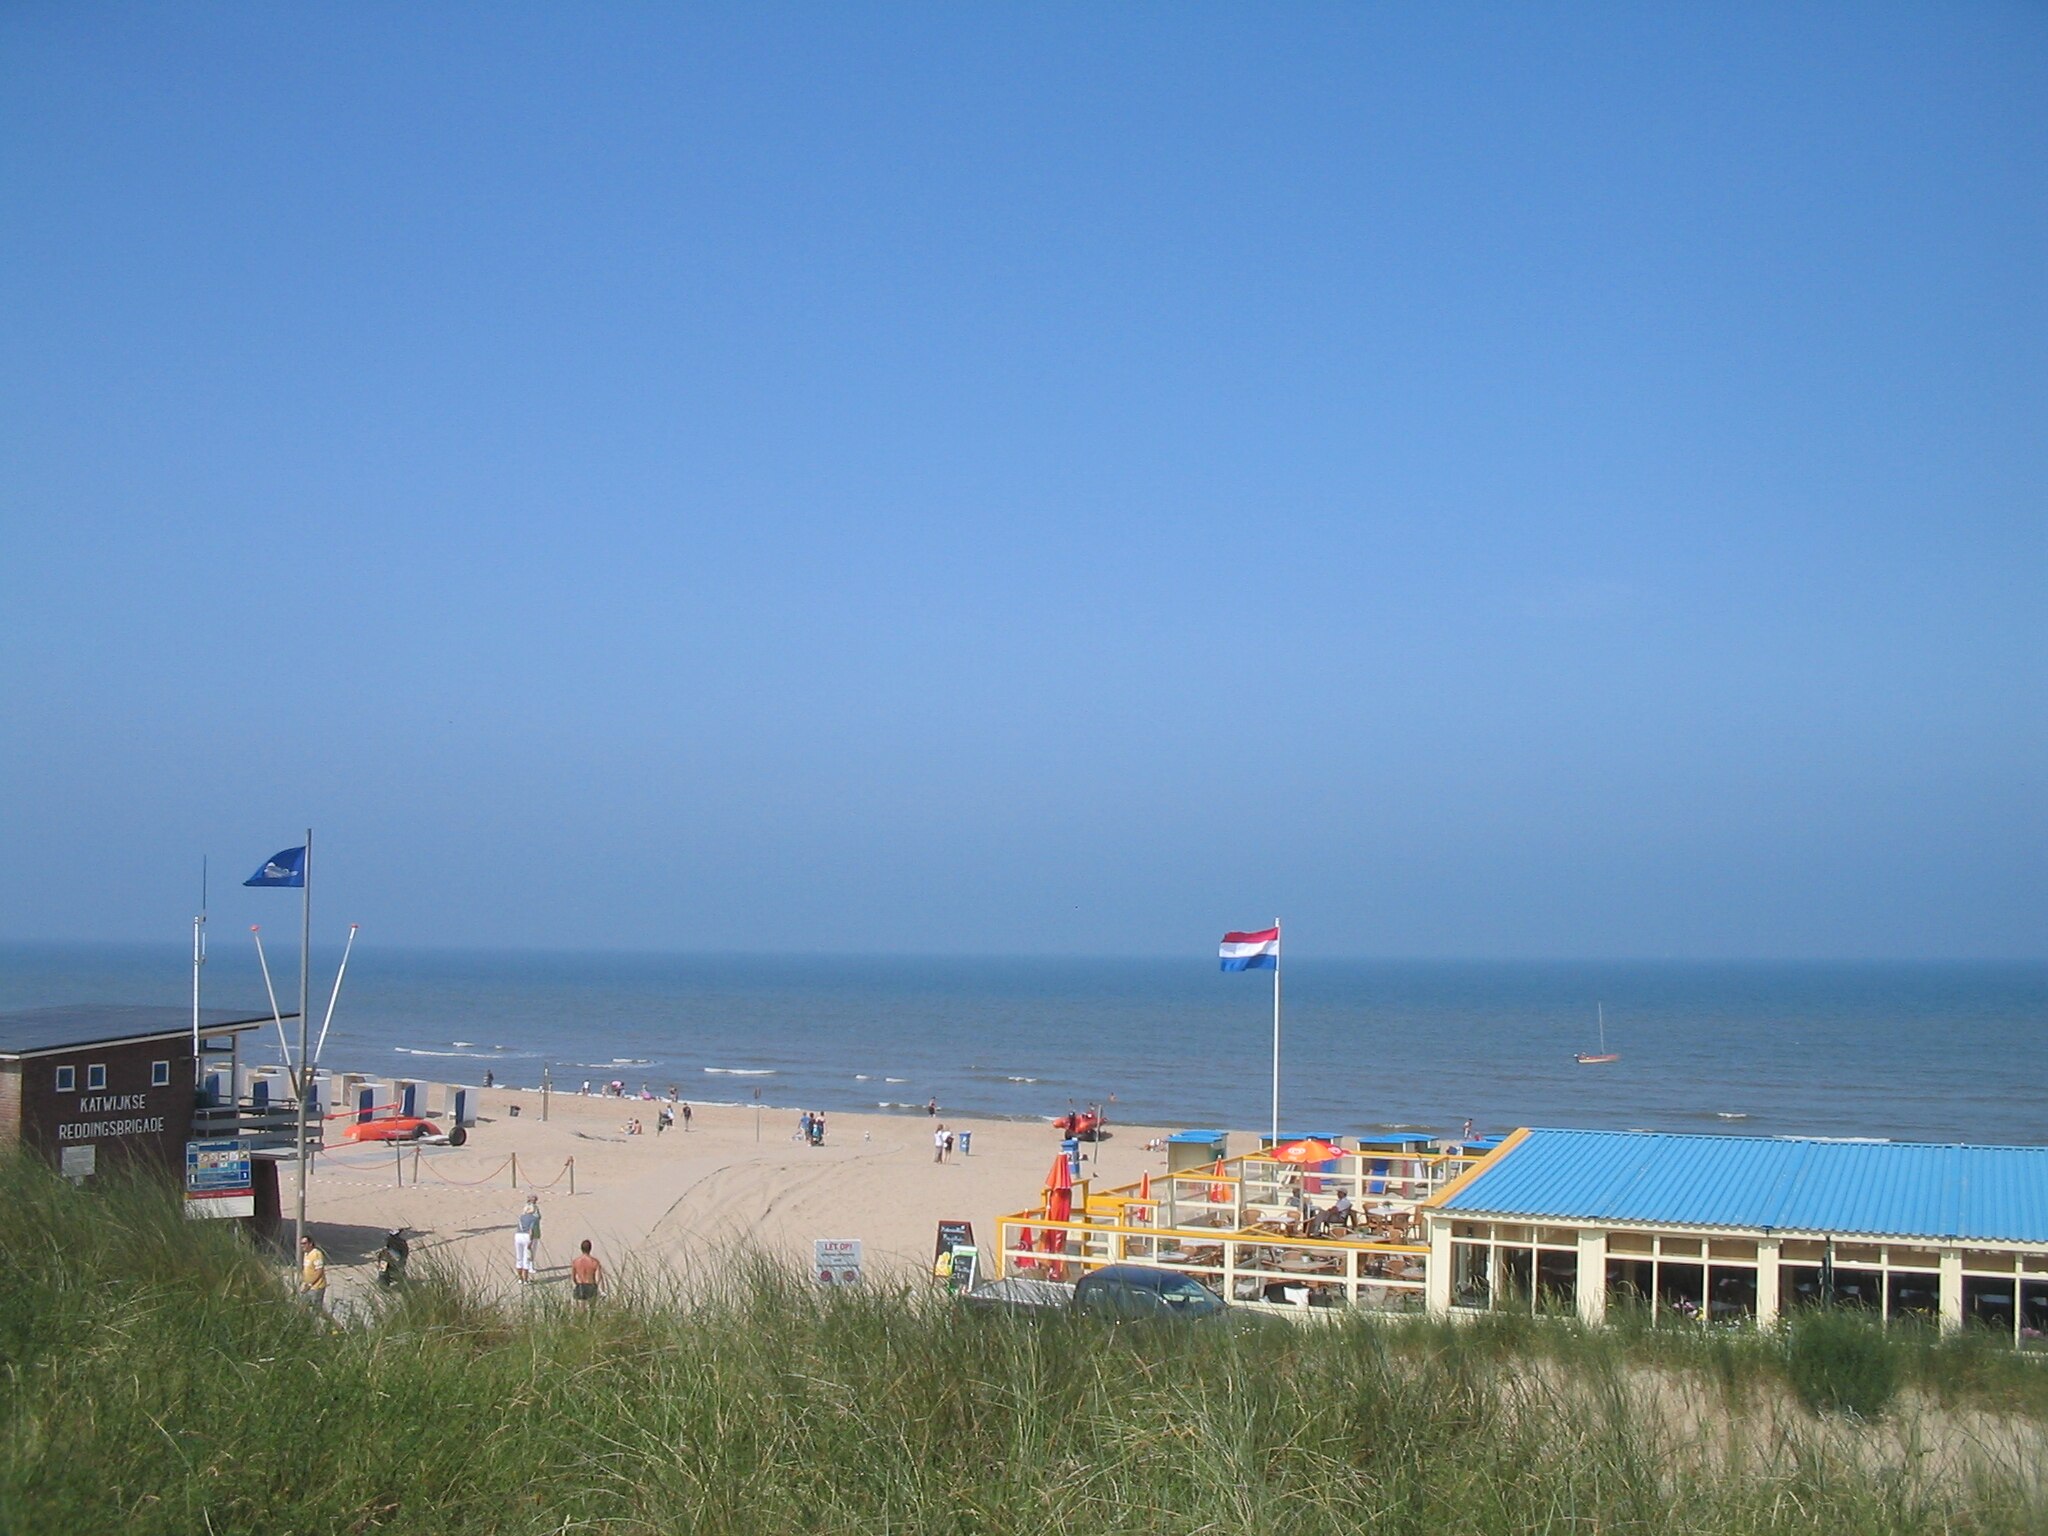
point(952, 1234)
point(219, 1180)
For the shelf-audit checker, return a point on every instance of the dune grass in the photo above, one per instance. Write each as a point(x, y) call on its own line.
point(158, 1377)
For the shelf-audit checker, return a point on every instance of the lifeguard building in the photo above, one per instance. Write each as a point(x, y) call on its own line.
point(89, 1088)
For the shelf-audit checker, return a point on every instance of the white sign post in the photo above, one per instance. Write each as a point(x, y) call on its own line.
point(836, 1260)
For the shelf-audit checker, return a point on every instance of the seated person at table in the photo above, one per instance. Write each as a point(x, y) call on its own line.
point(1339, 1214)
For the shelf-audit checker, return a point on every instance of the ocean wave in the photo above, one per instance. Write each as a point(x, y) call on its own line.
point(408, 1050)
point(462, 1042)
point(1022, 1079)
point(1729, 1114)
point(741, 1071)
point(627, 1061)
point(895, 1079)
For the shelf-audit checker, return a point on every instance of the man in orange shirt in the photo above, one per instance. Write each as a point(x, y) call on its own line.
point(312, 1274)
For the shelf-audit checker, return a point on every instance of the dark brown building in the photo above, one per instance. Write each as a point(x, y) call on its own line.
point(90, 1087)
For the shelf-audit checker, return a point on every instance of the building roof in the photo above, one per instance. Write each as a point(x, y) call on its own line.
point(1890, 1189)
point(34, 1031)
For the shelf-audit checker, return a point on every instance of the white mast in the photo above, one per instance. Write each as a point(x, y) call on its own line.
point(1276, 1031)
point(198, 959)
point(305, 1066)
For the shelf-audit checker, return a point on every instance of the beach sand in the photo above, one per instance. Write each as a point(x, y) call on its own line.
point(675, 1200)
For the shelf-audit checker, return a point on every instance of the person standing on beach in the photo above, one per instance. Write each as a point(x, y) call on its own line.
point(312, 1274)
point(939, 1139)
point(586, 1275)
point(931, 1107)
point(525, 1240)
point(686, 1114)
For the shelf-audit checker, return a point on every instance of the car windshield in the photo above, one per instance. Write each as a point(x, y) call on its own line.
point(1188, 1296)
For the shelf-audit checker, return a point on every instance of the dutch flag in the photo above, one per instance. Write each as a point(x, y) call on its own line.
point(1252, 951)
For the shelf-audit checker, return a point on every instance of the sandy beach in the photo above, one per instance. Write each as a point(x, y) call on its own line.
point(737, 1178)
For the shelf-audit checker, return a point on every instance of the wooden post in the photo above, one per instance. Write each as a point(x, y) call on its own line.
point(515, 1170)
point(398, 1162)
point(572, 1175)
point(415, 1164)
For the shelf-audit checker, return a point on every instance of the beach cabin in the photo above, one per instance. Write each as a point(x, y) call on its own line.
point(1732, 1229)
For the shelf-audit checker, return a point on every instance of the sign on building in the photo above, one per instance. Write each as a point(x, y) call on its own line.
point(218, 1179)
point(837, 1260)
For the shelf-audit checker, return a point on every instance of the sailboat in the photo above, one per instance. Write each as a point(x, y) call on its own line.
point(1595, 1058)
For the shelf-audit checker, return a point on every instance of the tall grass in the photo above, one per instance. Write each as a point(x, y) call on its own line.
point(158, 1377)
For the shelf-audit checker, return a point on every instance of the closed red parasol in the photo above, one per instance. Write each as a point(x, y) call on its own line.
point(1059, 1191)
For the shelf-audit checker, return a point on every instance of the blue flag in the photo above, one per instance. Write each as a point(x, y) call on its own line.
point(286, 868)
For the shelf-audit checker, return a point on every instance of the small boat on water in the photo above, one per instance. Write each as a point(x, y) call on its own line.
point(1595, 1058)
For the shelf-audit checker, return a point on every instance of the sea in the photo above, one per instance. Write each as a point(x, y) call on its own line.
point(1907, 1051)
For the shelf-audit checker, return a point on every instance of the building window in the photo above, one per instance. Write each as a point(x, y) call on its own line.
point(95, 1077)
point(159, 1074)
point(67, 1079)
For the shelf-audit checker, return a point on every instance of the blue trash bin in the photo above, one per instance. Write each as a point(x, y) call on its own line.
point(966, 1142)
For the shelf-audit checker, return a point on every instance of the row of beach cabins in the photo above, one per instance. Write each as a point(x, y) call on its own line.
point(1685, 1230)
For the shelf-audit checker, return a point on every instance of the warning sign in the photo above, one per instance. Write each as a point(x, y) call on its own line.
point(836, 1260)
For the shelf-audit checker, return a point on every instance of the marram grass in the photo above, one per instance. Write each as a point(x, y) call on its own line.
point(158, 1378)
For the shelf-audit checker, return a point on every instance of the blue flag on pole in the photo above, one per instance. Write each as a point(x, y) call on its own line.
point(285, 868)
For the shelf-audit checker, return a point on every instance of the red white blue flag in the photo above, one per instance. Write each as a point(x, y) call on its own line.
point(1258, 951)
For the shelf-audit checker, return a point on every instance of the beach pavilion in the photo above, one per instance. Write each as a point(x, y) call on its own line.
point(1741, 1228)
point(1725, 1229)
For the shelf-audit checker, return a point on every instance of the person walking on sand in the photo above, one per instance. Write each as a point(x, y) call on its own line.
point(939, 1140)
point(586, 1275)
point(525, 1238)
point(312, 1274)
point(686, 1115)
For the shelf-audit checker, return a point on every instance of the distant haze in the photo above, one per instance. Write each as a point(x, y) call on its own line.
point(1064, 480)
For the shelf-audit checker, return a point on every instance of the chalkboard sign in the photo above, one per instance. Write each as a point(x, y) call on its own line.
point(953, 1234)
point(964, 1266)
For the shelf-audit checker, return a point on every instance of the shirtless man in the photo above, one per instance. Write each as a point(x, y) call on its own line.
point(586, 1274)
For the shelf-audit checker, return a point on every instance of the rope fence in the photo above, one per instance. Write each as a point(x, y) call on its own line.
point(568, 1171)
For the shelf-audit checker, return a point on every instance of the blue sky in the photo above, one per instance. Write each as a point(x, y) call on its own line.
point(1060, 479)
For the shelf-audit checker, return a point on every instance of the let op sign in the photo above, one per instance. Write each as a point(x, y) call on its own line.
point(836, 1260)
point(218, 1181)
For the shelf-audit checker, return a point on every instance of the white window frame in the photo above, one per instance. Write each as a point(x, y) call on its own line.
point(67, 1079)
point(159, 1074)
point(96, 1077)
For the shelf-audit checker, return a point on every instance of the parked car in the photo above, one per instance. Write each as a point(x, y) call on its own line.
point(1123, 1292)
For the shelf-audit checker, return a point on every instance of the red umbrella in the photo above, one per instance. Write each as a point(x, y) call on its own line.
point(1301, 1153)
point(1059, 1191)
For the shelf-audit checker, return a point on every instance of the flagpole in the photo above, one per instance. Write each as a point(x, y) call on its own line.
point(198, 959)
point(305, 1066)
point(1277, 946)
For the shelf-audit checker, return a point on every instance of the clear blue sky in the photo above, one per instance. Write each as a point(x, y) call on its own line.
point(1486, 481)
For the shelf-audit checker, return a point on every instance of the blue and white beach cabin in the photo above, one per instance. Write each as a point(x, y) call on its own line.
point(1745, 1227)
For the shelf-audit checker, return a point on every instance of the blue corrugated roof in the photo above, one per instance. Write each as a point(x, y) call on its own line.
point(1877, 1189)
